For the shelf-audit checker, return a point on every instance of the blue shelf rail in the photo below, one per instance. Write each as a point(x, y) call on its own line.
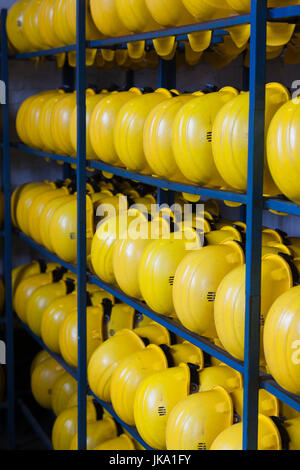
point(253, 199)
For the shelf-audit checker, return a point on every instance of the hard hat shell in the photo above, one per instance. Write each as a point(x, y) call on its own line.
point(37, 207)
point(102, 123)
point(25, 201)
point(268, 404)
point(60, 123)
point(121, 316)
point(156, 272)
point(222, 375)
point(64, 388)
point(46, 24)
point(196, 421)
point(158, 137)
point(106, 18)
point(65, 425)
point(226, 233)
point(43, 378)
point(230, 141)
point(206, 9)
point(122, 442)
point(68, 334)
point(15, 197)
point(129, 127)
point(292, 426)
point(132, 370)
point(135, 16)
point(47, 215)
point(169, 12)
point(271, 236)
point(40, 299)
point(40, 357)
point(155, 398)
point(97, 433)
point(92, 100)
point(22, 115)
point(63, 229)
point(196, 281)
point(281, 340)
point(192, 136)
point(15, 26)
point(60, 23)
point(26, 288)
point(229, 311)
point(106, 357)
point(23, 272)
point(92, 33)
point(232, 437)
point(281, 152)
point(45, 120)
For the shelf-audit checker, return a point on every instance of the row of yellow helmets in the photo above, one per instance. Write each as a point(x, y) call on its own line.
point(42, 24)
point(54, 388)
point(199, 138)
point(47, 211)
point(45, 298)
point(176, 401)
point(203, 287)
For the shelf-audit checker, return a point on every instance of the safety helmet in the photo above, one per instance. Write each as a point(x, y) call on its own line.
point(192, 136)
point(97, 433)
point(222, 375)
point(42, 297)
point(26, 288)
point(68, 334)
point(92, 32)
point(155, 398)
point(38, 359)
point(230, 142)
point(102, 123)
point(106, 18)
point(129, 126)
point(43, 378)
point(122, 442)
point(66, 425)
point(60, 124)
point(196, 421)
point(232, 437)
point(225, 233)
point(63, 229)
point(292, 427)
point(118, 317)
point(229, 310)
point(106, 357)
point(30, 25)
point(25, 201)
point(132, 370)
point(64, 388)
point(196, 281)
point(45, 119)
point(158, 137)
point(281, 340)
point(268, 404)
point(46, 24)
point(15, 26)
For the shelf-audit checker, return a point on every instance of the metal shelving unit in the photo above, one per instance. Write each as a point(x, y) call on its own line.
point(253, 200)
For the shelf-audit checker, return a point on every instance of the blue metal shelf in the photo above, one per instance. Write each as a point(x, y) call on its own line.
point(34, 423)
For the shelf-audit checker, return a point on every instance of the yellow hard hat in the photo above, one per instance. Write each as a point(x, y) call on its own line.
point(226, 233)
point(25, 200)
point(38, 359)
point(66, 425)
point(42, 297)
point(106, 18)
point(97, 433)
point(45, 119)
point(281, 340)
point(60, 124)
point(92, 32)
point(102, 123)
point(232, 437)
point(192, 136)
point(292, 427)
point(229, 311)
point(46, 24)
point(24, 271)
point(123, 442)
point(43, 379)
point(15, 26)
point(196, 281)
point(68, 334)
point(230, 142)
point(120, 316)
point(222, 375)
point(129, 126)
point(158, 137)
point(132, 370)
point(197, 420)
point(64, 388)
point(155, 398)
point(268, 404)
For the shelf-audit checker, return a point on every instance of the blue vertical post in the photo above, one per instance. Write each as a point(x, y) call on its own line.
point(166, 79)
point(81, 219)
point(7, 260)
point(254, 220)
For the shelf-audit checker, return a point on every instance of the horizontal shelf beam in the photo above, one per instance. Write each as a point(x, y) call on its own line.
point(290, 12)
point(272, 387)
point(280, 205)
point(40, 153)
point(34, 424)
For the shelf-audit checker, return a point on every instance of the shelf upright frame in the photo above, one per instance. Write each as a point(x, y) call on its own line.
point(254, 221)
point(81, 220)
point(7, 258)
